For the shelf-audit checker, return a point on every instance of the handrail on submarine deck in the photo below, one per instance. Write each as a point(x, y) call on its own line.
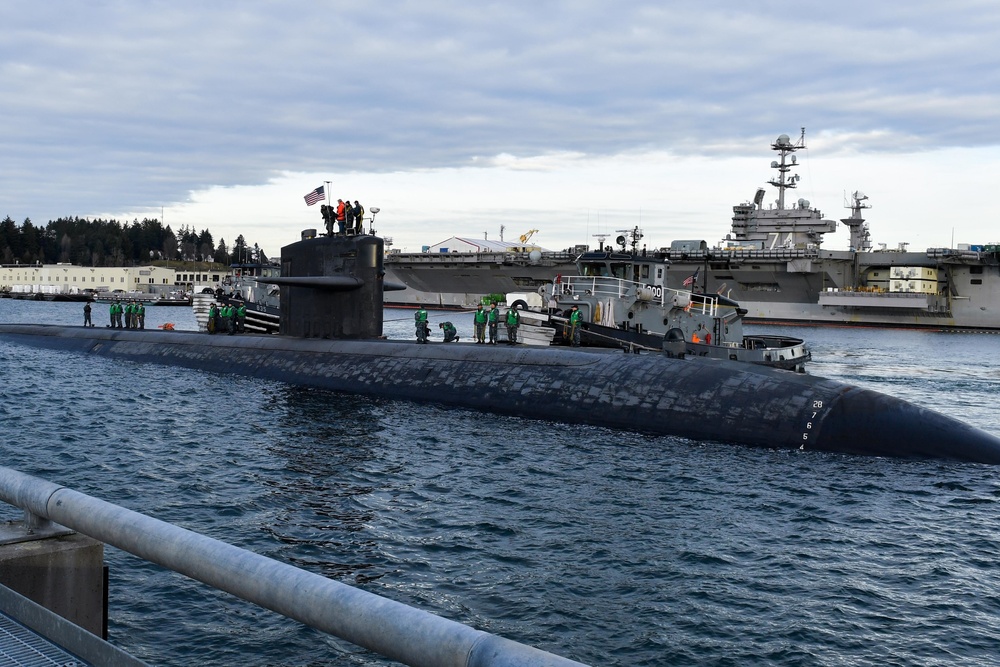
point(395, 630)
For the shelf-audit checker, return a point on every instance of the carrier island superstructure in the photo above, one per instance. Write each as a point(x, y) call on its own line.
point(773, 263)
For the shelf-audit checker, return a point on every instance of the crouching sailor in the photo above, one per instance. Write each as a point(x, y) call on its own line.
point(450, 334)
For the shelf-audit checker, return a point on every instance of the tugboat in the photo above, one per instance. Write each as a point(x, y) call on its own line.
point(624, 303)
point(244, 286)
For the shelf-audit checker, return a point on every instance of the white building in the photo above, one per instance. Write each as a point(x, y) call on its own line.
point(71, 279)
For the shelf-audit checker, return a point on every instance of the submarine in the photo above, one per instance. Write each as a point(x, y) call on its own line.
point(331, 338)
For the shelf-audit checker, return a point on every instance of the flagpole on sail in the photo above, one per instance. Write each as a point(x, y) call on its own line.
point(327, 188)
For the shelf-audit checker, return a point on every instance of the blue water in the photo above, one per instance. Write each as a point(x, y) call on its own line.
point(607, 547)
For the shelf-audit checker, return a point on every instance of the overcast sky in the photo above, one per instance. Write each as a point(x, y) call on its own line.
point(457, 118)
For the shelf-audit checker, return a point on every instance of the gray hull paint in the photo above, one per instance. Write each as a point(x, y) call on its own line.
point(773, 288)
point(699, 399)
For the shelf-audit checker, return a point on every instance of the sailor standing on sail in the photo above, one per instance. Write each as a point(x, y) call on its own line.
point(359, 218)
point(348, 217)
point(341, 217)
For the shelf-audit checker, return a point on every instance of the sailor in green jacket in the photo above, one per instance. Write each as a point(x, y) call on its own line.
point(241, 318)
point(493, 318)
point(575, 320)
point(420, 325)
point(213, 316)
point(140, 315)
point(513, 320)
point(450, 333)
point(479, 321)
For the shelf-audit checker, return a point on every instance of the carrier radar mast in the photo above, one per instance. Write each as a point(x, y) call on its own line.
point(785, 149)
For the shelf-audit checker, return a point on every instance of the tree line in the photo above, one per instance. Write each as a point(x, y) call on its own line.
point(112, 243)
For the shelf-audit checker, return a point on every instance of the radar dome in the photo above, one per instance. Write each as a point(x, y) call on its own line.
point(534, 256)
point(783, 140)
point(774, 164)
point(803, 203)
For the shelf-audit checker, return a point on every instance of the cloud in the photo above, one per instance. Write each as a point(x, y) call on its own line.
point(113, 108)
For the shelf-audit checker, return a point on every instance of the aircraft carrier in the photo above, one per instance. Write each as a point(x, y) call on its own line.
point(772, 262)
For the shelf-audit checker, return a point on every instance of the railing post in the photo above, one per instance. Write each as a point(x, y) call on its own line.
point(34, 523)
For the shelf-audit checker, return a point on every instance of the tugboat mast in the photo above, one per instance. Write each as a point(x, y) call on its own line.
point(785, 148)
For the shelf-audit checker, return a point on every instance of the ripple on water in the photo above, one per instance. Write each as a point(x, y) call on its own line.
point(612, 548)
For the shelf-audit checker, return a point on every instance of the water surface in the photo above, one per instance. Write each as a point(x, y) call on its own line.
point(608, 547)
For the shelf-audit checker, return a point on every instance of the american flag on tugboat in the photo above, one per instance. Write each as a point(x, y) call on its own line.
point(693, 277)
point(315, 196)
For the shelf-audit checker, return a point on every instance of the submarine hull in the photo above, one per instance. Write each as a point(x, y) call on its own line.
point(700, 399)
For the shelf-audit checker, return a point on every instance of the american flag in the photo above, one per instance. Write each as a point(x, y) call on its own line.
point(315, 196)
point(693, 277)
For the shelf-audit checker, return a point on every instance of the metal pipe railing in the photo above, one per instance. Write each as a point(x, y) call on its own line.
point(390, 628)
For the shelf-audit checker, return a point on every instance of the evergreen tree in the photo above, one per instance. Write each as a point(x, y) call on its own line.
point(101, 242)
point(169, 244)
point(10, 240)
point(240, 255)
point(222, 253)
point(205, 246)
